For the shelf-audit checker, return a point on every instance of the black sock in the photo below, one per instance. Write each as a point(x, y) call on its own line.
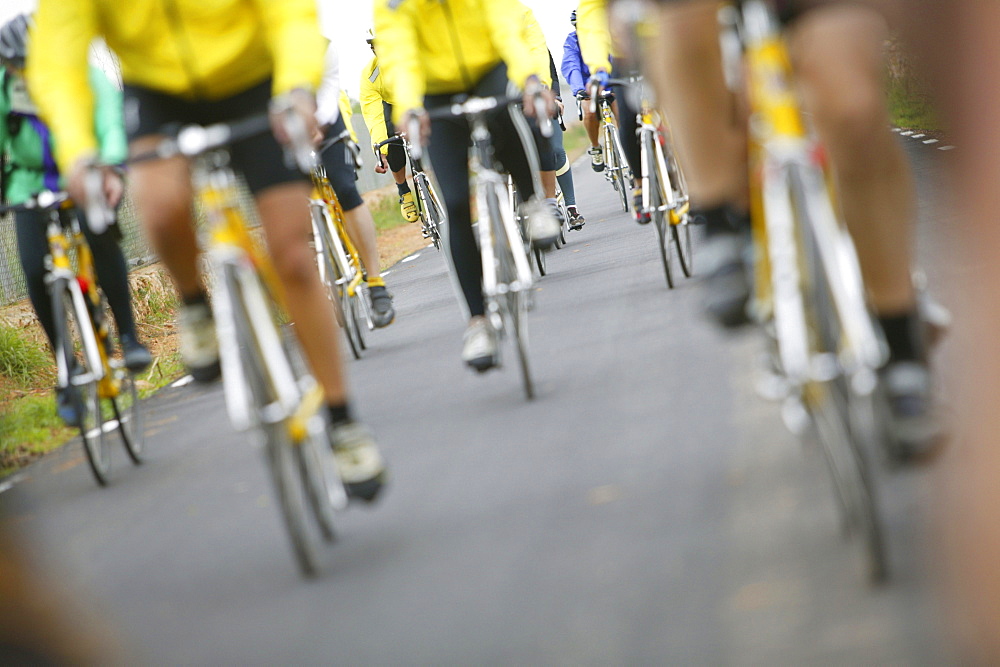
point(198, 299)
point(902, 333)
point(339, 413)
point(721, 219)
point(403, 188)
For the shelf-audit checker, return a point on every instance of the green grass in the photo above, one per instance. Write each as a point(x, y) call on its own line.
point(575, 141)
point(910, 107)
point(28, 427)
point(22, 359)
point(386, 213)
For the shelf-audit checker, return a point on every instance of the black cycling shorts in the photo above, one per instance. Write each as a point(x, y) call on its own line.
point(341, 170)
point(260, 159)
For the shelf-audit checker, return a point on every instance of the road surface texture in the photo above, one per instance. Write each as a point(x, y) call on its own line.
point(647, 508)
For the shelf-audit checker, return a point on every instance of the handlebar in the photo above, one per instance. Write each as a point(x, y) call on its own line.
point(45, 200)
point(193, 140)
point(394, 139)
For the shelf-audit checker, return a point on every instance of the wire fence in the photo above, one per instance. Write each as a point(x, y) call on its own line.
point(137, 250)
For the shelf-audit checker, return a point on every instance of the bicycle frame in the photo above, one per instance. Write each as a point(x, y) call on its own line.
point(327, 212)
point(490, 182)
point(784, 151)
point(237, 262)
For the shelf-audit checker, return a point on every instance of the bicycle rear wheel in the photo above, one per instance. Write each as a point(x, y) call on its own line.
point(81, 374)
point(833, 404)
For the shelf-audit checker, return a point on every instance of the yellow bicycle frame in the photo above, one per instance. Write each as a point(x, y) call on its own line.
point(322, 189)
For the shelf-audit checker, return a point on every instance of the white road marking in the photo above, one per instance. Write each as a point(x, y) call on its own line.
point(411, 257)
point(946, 148)
point(9, 484)
point(907, 133)
point(931, 141)
point(187, 379)
point(918, 136)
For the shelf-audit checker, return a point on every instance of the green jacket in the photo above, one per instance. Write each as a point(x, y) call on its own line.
point(28, 145)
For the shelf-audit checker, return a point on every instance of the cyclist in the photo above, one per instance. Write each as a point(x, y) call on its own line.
point(340, 161)
point(209, 63)
point(577, 74)
point(27, 144)
point(376, 107)
point(562, 172)
point(834, 47)
point(596, 47)
point(431, 52)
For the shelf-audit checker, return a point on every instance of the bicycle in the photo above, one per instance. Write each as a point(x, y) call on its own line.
point(536, 256)
point(664, 191)
point(826, 349)
point(267, 388)
point(616, 167)
point(104, 390)
point(507, 279)
point(432, 213)
point(339, 263)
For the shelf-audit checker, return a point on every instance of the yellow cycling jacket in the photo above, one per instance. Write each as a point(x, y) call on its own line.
point(347, 112)
point(594, 35)
point(447, 46)
point(373, 93)
point(196, 49)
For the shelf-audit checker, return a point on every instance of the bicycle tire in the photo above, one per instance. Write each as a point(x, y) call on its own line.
point(87, 397)
point(539, 256)
point(280, 454)
point(614, 164)
point(128, 412)
point(680, 231)
point(358, 322)
point(681, 234)
point(513, 305)
point(831, 412)
point(428, 210)
point(659, 218)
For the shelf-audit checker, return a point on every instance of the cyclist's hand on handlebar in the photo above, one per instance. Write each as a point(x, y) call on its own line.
point(599, 81)
point(417, 128)
point(383, 163)
point(293, 121)
point(582, 95)
point(97, 189)
point(536, 95)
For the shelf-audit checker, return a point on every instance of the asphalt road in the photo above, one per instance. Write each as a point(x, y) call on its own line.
point(647, 508)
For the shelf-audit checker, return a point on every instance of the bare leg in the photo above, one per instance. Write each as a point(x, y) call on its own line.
point(361, 228)
point(689, 82)
point(161, 190)
point(591, 122)
point(288, 230)
point(840, 49)
point(549, 184)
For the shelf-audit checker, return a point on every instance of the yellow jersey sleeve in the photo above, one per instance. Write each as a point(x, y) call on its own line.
point(347, 112)
point(535, 38)
point(58, 76)
point(296, 45)
point(399, 54)
point(371, 104)
point(594, 34)
point(506, 22)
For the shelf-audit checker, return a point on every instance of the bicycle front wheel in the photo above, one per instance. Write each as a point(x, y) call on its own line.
point(615, 167)
point(73, 329)
point(128, 412)
point(281, 454)
point(513, 303)
point(681, 234)
point(833, 403)
point(429, 210)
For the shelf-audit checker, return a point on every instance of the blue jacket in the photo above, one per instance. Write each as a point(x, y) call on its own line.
point(573, 67)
